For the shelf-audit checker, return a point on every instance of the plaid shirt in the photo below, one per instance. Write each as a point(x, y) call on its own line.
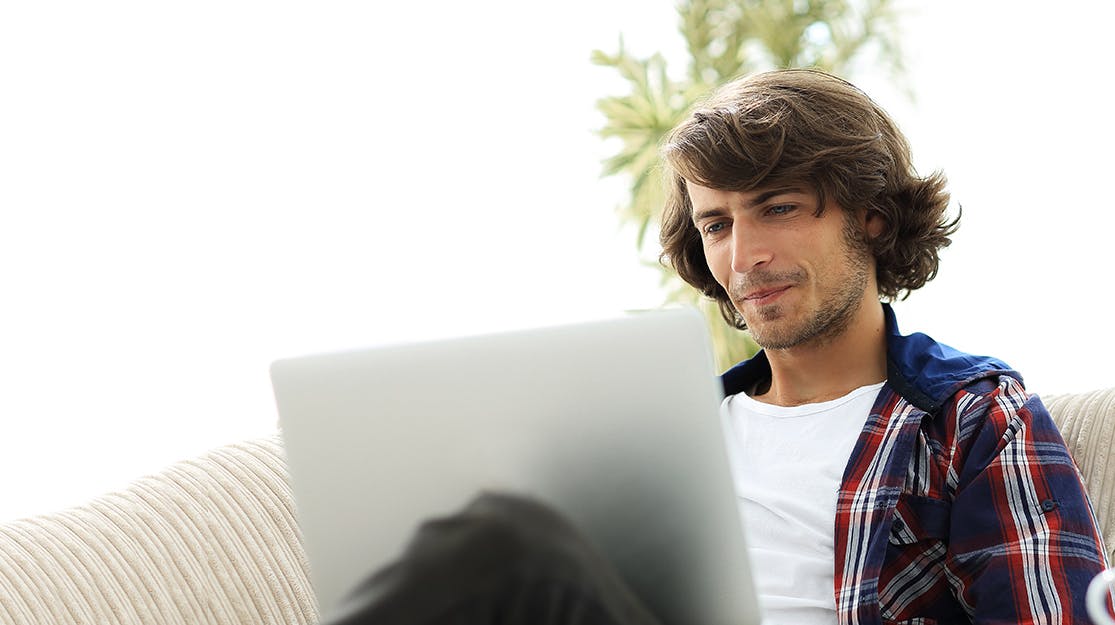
point(960, 502)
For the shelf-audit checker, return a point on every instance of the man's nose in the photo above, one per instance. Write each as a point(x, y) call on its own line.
point(749, 249)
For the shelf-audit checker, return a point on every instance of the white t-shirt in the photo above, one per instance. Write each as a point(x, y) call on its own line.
point(788, 463)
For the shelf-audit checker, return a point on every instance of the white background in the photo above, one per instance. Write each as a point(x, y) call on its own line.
point(191, 190)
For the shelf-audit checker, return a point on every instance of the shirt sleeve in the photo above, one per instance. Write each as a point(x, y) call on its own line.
point(1024, 541)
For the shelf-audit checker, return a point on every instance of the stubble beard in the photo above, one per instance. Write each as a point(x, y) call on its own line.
point(832, 316)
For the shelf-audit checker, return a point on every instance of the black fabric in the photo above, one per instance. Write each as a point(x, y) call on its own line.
point(502, 560)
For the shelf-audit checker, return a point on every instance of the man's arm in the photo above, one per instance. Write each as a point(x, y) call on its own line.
point(1024, 542)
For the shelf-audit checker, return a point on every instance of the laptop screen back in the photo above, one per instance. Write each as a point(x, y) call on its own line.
point(615, 423)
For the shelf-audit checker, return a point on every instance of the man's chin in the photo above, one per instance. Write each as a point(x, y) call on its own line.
point(768, 335)
point(757, 316)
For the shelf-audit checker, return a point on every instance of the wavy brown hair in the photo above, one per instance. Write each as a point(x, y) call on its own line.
point(794, 126)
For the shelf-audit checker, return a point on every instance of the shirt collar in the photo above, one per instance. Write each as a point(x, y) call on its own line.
point(924, 372)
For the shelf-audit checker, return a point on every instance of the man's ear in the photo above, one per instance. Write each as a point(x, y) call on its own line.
point(874, 223)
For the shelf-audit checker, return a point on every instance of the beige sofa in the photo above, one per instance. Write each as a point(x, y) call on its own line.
point(208, 541)
point(214, 540)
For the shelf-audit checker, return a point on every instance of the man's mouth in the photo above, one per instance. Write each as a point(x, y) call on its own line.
point(765, 295)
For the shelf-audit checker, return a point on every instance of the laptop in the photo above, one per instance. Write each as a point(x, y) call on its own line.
point(615, 423)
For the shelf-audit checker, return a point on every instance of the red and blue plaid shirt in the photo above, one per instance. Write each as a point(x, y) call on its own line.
point(960, 502)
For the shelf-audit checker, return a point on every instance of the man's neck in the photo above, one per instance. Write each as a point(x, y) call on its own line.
point(830, 367)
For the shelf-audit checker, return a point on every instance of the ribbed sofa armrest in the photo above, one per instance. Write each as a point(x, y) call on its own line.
point(212, 540)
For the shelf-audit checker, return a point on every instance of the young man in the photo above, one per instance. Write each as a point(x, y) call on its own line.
point(940, 488)
point(890, 478)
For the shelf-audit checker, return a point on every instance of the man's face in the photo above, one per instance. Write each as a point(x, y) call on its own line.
point(796, 278)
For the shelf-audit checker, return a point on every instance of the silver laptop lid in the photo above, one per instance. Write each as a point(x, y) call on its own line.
point(615, 423)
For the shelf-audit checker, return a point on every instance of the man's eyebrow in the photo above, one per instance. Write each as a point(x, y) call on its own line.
point(719, 210)
point(766, 195)
point(716, 211)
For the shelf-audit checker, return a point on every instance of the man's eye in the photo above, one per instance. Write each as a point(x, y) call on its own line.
point(781, 209)
point(713, 228)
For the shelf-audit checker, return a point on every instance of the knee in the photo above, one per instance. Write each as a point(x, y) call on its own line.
point(504, 533)
point(501, 555)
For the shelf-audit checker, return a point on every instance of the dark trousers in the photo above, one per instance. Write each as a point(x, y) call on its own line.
point(502, 560)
